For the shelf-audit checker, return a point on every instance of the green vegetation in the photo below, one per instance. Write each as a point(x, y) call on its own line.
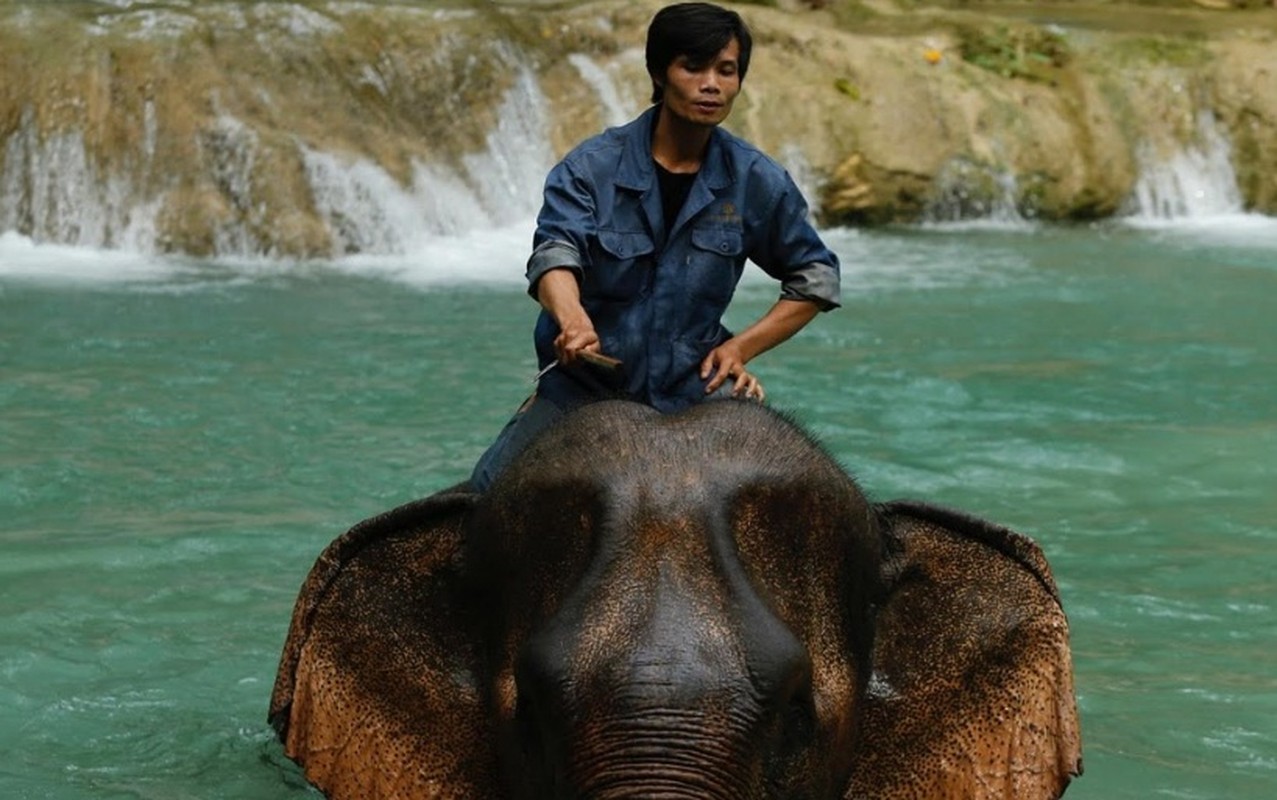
point(1179, 51)
point(848, 88)
point(1025, 52)
point(852, 15)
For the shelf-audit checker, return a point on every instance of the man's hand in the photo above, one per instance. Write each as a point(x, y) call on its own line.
point(558, 292)
point(576, 335)
point(726, 361)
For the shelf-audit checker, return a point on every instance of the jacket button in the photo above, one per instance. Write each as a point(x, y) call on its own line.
point(723, 247)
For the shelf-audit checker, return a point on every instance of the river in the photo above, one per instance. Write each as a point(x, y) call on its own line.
point(180, 438)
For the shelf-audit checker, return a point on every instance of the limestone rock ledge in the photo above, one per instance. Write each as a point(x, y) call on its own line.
point(206, 128)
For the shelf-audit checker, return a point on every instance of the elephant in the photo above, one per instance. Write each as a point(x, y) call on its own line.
point(701, 604)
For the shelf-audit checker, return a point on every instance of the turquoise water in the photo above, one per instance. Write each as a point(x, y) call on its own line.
point(179, 440)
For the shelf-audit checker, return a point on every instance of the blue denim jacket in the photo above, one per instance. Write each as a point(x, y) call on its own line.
point(657, 297)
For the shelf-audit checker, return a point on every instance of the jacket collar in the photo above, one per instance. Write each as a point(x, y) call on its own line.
point(636, 171)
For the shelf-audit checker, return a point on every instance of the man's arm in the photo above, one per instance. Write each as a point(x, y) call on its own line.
point(794, 254)
point(728, 360)
point(560, 294)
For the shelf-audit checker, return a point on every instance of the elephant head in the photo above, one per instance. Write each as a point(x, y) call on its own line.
point(701, 605)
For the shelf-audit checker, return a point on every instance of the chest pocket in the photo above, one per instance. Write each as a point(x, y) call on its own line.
point(714, 263)
point(620, 265)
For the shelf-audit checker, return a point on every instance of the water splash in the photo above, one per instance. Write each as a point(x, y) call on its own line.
point(1196, 182)
point(367, 211)
point(970, 194)
point(25, 260)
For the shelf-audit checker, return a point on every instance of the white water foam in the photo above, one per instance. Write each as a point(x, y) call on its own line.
point(1242, 231)
point(25, 260)
point(1193, 193)
point(369, 212)
point(489, 256)
point(1194, 183)
point(975, 196)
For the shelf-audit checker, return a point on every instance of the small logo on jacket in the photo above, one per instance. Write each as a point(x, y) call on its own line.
point(726, 213)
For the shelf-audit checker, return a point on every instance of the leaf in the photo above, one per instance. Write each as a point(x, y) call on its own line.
point(847, 87)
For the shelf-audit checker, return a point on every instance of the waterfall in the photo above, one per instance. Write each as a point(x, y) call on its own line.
point(281, 129)
point(616, 110)
point(1195, 182)
point(509, 173)
point(966, 191)
point(51, 187)
point(366, 210)
point(55, 188)
point(213, 135)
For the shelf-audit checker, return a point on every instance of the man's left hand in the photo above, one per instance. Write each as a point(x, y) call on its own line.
point(726, 361)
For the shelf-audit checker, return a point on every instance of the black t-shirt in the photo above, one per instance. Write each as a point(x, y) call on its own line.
point(674, 189)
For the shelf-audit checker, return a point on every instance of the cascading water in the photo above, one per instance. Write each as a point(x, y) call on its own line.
point(53, 190)
point(368, 211)
point(51, 187)
point(198, 143)
point(969, 192)
point(617, 111)
point(1195, 182)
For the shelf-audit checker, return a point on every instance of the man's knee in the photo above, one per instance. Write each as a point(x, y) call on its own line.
point(535, 415)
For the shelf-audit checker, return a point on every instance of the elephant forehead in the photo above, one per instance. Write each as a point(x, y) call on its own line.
point(662, 500)
point(659, 530)
point(618, 440)
point(658, 608)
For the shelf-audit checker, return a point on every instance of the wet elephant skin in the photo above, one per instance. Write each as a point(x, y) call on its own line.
point(700, 605)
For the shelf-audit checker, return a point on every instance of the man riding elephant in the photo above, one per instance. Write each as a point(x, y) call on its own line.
point(660, 597)
point(644, 233)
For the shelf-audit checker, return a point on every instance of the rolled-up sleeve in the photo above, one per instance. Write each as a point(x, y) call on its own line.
point(794, 253)
point(567, 215)
point(816, 282)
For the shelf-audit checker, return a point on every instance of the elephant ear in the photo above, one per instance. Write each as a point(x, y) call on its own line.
point(376, 694)
point(971, 693)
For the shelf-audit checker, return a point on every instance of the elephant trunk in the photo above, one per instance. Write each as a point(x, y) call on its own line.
point(679, 706)
point(721, 749)
point(667, 753)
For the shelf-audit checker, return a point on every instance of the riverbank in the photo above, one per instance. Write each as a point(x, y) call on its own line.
point(1051, 111)
point(317, 129)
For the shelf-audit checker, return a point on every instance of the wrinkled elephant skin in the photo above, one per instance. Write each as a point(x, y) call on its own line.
point(700, 605)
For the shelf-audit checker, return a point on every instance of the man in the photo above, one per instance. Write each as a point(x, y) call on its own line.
point(644, 233)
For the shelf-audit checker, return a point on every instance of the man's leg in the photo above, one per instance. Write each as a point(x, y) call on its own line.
point(535, 415)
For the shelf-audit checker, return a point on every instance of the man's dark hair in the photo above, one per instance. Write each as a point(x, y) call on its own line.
point(698, 31)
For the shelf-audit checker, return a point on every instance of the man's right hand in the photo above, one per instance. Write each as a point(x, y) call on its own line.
point(575, 335)
point(558, 293)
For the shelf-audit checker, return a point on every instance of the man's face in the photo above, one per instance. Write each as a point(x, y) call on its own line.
point(702, 93)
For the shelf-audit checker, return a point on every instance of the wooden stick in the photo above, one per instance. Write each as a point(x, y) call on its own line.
point(599, 360)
